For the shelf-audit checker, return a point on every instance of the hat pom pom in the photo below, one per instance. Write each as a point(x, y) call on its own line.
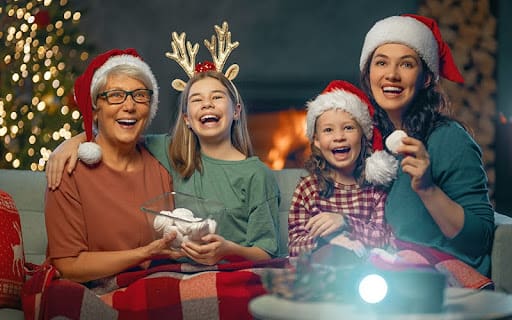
point(89, 153)
point(381, 168)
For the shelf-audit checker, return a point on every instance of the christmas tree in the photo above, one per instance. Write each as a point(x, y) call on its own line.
point(41, 51)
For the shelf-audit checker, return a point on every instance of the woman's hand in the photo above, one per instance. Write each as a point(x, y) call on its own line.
point(416, 163)
point(66, 152)
point(159, 249)
point(214, 249)
point(324, 224)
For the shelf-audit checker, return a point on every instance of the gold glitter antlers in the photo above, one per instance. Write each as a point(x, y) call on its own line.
point(185, 56)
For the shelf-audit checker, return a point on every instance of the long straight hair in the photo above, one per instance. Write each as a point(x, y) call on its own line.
point(185, 149)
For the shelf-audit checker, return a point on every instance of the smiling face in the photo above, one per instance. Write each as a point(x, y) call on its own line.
point(396, 76)
point(338, 137)
point(121, 124)
point(210, 112)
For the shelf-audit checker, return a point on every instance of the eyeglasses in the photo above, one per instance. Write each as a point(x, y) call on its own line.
point(119, 96)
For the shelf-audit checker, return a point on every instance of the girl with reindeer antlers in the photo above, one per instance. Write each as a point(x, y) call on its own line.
point(209, 154)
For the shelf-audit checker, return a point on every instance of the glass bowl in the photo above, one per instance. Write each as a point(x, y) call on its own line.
point(200, 207)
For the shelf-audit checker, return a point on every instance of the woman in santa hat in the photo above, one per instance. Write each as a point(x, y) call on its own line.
point(94, 225)
point(440, 197)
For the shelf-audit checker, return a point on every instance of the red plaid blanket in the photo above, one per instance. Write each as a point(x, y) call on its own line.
point(410, 255)
point(170, 291)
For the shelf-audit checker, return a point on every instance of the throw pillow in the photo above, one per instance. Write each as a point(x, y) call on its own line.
point(12, 257)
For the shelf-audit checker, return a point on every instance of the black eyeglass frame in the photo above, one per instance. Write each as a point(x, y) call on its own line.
point(105, 95)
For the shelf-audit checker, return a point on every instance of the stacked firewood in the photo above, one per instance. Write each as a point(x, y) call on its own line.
point(470, 30)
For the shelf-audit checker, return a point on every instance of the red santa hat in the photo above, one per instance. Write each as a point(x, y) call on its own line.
point(381, 167)
point(89, 152)
point(419, 33)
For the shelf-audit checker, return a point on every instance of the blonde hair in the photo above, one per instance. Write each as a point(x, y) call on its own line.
point(185, 149)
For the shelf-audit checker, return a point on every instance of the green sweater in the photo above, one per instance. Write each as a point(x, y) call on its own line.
point(247, 189)
point(458, 170)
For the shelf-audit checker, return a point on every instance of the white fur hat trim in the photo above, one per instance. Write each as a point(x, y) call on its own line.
point(381, 168)
point(403, 30)
point(340, 100)
point(89, 153)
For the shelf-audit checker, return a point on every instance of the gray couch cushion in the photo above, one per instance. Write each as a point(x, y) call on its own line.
point(501, 254)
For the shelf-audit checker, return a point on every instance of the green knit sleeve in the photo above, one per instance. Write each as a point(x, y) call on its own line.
point(158, 146)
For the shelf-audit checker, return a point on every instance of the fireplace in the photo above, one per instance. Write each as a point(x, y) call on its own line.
point(279, 137)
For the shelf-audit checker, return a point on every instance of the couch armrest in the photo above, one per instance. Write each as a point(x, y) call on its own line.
point(501, 255)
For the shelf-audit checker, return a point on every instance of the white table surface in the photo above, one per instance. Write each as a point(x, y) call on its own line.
point(458, 304)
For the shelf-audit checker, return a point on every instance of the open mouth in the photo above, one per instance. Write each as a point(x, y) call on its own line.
point(209, 118)
point(392, 90)
point(127, 122)
point(341, 150)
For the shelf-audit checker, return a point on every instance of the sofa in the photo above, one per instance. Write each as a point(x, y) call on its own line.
point(27, 189)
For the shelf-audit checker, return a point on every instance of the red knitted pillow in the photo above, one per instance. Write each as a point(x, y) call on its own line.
point(12, 257)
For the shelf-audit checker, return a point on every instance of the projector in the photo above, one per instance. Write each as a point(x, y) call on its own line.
point(400, 291)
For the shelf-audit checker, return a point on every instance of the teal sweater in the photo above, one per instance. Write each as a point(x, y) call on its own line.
point(457, 169)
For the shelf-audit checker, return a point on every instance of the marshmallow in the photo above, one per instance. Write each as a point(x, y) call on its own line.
point(394, 140)
point(186, 226)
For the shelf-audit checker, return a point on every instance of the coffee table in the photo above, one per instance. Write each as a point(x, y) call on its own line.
point(458, 304)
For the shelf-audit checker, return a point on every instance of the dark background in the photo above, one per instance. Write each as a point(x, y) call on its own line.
point(288, 51)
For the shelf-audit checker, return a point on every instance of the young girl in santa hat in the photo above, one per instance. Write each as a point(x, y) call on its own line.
point(342, 200)
point(440, 197)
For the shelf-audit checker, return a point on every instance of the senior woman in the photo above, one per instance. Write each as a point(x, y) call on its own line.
point(93, 220)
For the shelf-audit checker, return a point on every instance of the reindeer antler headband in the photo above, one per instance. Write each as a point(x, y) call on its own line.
point(186, 56)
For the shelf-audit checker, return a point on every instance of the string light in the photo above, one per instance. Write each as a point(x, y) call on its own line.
point(42, 51)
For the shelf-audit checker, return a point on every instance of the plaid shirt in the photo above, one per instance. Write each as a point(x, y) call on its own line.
point(363, 209)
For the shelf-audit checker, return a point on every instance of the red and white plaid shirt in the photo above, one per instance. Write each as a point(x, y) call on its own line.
point(362, 207)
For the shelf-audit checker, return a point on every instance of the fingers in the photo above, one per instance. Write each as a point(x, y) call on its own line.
point(54, 173)
point(200, 249)
point(169, 237)
point(416, 159)
point(324, 224)
point(412, 147)
point(65, 153)
point(203, 254)
point(330, 229)
point(321, 230)
point(207, 254)
point(72, 163)
point(55, 167)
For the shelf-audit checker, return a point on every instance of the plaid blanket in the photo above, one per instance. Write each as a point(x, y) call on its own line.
point(410, 255)
point(168, 291)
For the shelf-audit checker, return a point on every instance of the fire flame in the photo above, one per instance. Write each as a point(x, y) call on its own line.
point(279, 138)
point(289, 137)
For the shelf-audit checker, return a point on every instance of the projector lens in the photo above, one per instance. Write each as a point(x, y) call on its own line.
point(373, 288)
